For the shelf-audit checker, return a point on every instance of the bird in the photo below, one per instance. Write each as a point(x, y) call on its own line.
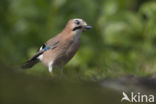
point(59, 50)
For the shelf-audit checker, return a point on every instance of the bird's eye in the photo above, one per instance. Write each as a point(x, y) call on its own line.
point(77, 22)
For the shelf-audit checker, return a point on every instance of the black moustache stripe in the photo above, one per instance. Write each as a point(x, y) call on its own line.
point(76, 28)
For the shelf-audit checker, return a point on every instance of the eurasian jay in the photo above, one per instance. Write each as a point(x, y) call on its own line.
point(57, 51)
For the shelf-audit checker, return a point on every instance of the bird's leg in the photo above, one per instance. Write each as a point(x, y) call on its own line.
point(50, 66)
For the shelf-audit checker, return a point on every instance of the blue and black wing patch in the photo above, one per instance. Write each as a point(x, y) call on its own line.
point(45, 48)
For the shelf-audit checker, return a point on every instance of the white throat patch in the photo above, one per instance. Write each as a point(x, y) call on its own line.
point(77, 35)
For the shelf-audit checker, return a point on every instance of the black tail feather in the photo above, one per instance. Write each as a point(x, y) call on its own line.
point(29, 64)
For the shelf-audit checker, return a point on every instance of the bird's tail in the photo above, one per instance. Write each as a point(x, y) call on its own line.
point(30, 63)
point(34, 60)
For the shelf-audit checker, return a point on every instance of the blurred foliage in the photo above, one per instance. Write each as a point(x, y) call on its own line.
point(122, 41)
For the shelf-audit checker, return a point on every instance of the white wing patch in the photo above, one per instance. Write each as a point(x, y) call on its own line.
point(41, 47)
point(40, 57)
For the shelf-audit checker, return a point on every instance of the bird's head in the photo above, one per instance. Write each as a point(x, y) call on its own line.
point(77, 25)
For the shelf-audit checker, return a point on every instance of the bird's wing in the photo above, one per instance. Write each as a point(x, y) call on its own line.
point(52, 41)
point(50, 44)
point(46, 47)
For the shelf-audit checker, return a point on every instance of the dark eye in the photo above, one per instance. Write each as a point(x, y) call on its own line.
point(77, 22)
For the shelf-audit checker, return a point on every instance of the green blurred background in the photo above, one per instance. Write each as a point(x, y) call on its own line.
point(122, 42)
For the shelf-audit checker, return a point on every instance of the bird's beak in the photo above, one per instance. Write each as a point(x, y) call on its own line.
point(87, 27)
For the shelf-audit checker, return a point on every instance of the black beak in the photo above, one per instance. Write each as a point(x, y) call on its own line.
point(87, 27)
